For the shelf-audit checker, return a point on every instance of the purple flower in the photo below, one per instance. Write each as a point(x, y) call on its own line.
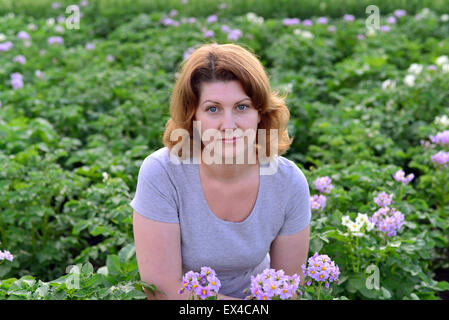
point(318, 202)
point(20, 59)
point(167, 21)
point(383, 199)
point(321, 20)
point(360, 36)
point(384, 28)
point(208, 34)
point(222, 6)
point(212, 18)
point(391, 20)
point(234, 35)
point(441, 158)
point(332, 28)
point(432, 67)
point(56, 5)
point(90, 46)
point(23, 35)
point(321, 268)
point(39, 74)
point(204, 284)
point(173, 12)
point(60, 19)
point(348, 17)
point(110, 58)
point(6, 46)
point(6, 255)
point(323, 184)
point(388, 221)
point(400, 177)
point(307, 23)
point(56, 39)
point(84, 3)
point(271, 283)
point(184, 1)
point(191, 20)
point(399, 13)
point(225, 28)
point(290, 22)
point(16, 81)
point(440, 138)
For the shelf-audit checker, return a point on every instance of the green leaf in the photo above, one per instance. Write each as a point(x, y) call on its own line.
point(127, 253)
point(87, 269)
point(443, 285)
point(113, 264)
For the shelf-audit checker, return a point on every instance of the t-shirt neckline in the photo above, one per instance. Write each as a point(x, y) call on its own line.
point(209, 211)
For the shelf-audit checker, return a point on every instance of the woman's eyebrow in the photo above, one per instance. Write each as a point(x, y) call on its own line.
point(220, 103)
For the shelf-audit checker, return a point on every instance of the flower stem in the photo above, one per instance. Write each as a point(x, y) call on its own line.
point(319, 289)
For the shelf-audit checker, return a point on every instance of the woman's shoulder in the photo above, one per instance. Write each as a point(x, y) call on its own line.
point(290, 174)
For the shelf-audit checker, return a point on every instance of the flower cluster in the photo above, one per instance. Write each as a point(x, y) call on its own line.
point(383, 199)
point(6, 255)
point(400, 177)
point(360, 224)
point(317, 202)
point(441, 159)
point(388, 220)
point(440, 138)
point(272, 284)
point(323, 184)
point(202, 285)
point(16, 81)
point(322, 269)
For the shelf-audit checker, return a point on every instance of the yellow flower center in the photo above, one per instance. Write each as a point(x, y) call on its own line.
point(321, 276)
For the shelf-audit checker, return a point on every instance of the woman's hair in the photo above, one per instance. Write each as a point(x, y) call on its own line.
point(226, 62)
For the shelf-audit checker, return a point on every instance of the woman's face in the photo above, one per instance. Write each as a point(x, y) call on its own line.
point(224, 108)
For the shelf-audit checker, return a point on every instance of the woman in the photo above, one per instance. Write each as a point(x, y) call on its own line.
point(197, 204)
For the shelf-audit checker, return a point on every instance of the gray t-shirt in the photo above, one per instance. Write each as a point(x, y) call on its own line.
point(173, 193)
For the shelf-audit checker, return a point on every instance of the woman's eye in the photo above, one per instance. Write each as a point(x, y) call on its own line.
point(238, 107)
point(243, 105)
point(211, 108)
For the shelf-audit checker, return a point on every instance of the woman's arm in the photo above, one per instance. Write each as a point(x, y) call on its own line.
point(290, 252)
point(158, 252)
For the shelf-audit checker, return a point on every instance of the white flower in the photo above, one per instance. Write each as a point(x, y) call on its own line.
point(361, 218)
point(415, 68)
point(442, 121)
point(388, 84)
point(2, 37)
point(252, 17)
point(303, 33)
point(50, 22)
point(354, 227)
point(409, 80)
point(444, 17)
point(442, 60)
point(445, 68)
point(307, 35)
point(345, 220)
point(105, 176)
point(369, 225)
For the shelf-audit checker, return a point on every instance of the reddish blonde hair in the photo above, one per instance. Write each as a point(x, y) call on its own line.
point(227, 62)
